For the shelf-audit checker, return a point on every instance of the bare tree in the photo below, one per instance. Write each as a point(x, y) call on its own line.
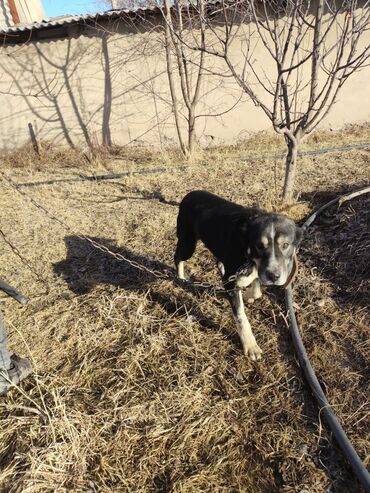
point(179, 67)
point(178, 61)
point(190, 79)
point(309, 51)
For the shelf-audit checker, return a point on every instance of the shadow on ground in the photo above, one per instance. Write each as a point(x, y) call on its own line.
point(338, 245)
point(86, 267)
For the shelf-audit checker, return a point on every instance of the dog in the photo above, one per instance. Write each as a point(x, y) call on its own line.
point(251, 247)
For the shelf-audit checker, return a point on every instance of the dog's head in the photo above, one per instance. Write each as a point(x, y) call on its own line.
point(271, 243)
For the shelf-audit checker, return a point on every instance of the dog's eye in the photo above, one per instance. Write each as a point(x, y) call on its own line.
point(285, 245)
point(261, 246)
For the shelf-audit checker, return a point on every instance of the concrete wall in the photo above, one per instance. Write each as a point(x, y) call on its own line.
point(109, 85)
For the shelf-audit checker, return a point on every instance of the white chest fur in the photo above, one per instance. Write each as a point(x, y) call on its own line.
point(245, 281)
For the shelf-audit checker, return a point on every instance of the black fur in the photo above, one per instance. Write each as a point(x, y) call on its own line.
point(235, 235)
point(228, 230)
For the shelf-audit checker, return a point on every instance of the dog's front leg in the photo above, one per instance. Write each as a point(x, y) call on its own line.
point(250, 346)
point(180, 270)
point(221, 268)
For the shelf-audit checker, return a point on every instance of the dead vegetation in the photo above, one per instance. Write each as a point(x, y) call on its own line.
point(259, 144)
point(140, 384)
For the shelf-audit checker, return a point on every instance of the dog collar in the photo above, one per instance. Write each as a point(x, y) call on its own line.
point(293, 272)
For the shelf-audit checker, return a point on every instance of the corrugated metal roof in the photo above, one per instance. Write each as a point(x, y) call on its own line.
point(70, 19)
point(95, 17)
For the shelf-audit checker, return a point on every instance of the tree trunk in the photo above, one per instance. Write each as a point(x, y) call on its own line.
point(191, 131)
point(171, 81)
point(290, 170)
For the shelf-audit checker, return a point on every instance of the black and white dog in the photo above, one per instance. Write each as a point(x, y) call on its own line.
point(250, 246)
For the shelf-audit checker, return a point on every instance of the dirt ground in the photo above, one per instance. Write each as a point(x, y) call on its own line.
point(140, 384)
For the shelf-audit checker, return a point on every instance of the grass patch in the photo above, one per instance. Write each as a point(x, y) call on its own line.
point(141, 385)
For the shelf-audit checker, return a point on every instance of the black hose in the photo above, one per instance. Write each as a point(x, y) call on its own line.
point(10, 291)
point(342, 439)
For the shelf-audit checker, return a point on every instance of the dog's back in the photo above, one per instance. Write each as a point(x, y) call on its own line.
point(201, 201)
point(211, 219)
point(200, 206)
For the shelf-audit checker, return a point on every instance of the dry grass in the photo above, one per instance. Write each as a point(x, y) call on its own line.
point(100, 158)
point(141, 385)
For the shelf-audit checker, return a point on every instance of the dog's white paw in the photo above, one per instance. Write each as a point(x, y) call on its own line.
point(258, 294)
point(253, 352)
point(252, 293)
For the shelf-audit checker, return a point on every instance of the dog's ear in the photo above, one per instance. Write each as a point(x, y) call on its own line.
point(298, 235)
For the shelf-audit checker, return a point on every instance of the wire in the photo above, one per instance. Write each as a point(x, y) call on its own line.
point(172, 169)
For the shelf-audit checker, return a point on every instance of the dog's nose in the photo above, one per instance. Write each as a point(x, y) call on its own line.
point(273, 275)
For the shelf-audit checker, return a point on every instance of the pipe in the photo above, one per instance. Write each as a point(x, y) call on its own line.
point(9, 290)
point(14, 12)
point(347, 448)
